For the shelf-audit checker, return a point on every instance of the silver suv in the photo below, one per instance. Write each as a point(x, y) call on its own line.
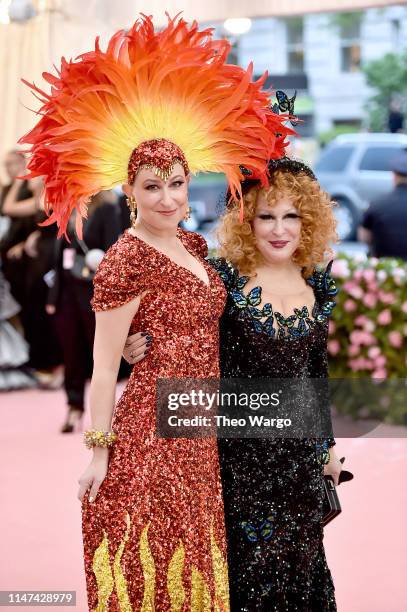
point(354, 169)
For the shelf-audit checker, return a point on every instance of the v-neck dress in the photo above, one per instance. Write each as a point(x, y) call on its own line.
point(273, 487)
point(154, 538)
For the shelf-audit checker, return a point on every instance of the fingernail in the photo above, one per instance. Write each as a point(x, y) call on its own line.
point(146, 351)
point(149, 337)
point(144, 333)
point(148, 343)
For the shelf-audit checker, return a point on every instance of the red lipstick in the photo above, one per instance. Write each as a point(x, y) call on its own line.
point(167, 213)
point(278, 244)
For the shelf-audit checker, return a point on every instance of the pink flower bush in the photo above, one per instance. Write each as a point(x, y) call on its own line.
point(368, 333)
point(373, 352)
point(340, 268)
point(334, 347)
point(366, 323)
point(395, 339)
point(361, 363)
point(380, 373)
point(370, 300)
point(386, 297)
point(370, 326)
point(369, 275)
point(380, 361)
point(349, 306)
point(362, 337)
point(356, 292)
point(384, 317)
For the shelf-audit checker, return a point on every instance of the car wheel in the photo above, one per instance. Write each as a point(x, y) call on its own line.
point(347, 218)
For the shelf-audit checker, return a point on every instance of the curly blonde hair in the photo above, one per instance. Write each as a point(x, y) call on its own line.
point(237, 242)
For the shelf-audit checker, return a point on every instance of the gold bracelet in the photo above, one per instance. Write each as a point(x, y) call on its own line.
point(93, 437)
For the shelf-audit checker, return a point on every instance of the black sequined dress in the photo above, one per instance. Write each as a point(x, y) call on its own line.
point(273, 488)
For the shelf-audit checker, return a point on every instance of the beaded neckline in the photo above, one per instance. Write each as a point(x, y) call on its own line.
point(263, 319)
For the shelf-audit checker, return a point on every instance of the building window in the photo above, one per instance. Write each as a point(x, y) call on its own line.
point(335, 159)
point(295, 44)
point(350, 45)
point(378, 158)
point(396, 33)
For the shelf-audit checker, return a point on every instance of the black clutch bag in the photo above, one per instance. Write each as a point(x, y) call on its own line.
point(332, 506)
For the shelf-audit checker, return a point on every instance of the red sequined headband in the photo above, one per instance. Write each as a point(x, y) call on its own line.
point(160, 155)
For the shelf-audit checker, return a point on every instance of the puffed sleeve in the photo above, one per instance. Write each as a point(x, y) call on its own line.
point(195, 242)
point(118, 279)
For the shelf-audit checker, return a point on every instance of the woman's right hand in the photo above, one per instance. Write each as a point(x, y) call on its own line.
point(94, 474)
point(137, 347)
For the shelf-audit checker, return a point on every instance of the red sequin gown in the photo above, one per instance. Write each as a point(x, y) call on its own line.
point(154, 537)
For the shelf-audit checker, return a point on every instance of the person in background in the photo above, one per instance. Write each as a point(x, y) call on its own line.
point(32, 257)
point(396, 117)
point(20, 224)
point(70, 294)
point(13, 348)
point(384, 224)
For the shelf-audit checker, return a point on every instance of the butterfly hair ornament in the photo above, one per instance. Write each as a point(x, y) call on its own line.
point(283, 163)
point(286, 105)
point(151, 99)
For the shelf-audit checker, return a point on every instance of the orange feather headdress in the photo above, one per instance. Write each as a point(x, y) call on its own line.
point(173, 85)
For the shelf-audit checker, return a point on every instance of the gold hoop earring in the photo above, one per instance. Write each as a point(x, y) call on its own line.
point(188, 214)
point(132, 204)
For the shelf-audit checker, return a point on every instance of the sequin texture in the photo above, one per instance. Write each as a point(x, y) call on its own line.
point(273, 488)
point(158, 154)
point(154, 538)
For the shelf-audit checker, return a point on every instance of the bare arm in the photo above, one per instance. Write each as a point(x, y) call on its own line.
point(23, 208)
point(112, 328)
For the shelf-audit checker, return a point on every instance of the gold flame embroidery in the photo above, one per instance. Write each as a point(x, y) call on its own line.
point(201, 600)
point(119, 578)
point(103, 574)
point(175, 584)
point(200, 596)
point(148, 567)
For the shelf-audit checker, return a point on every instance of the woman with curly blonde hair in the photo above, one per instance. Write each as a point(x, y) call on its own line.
point(275, 325)
point(238, 242)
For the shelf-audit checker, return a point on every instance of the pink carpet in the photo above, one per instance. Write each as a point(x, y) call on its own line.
point(40, 514)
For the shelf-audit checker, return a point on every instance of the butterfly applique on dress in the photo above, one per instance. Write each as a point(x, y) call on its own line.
point(263, 530)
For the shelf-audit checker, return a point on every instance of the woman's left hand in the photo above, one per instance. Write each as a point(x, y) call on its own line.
point(136, 347)
point(334, 467)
